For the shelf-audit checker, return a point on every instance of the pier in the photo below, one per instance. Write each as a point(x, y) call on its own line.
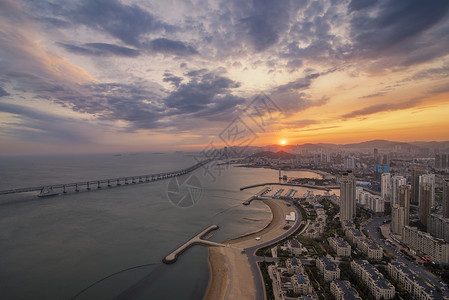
point(256, 196)
point(196, 240)
point(88, 185)
point(291, 184)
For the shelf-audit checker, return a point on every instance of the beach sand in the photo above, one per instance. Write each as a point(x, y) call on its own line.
point(231, 275)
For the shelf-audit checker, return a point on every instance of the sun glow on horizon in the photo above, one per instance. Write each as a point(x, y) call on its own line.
point(283, 142)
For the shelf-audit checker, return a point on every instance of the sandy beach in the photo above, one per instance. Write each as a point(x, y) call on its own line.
point(231, 276)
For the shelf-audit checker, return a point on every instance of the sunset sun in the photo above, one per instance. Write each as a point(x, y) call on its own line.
point(283, 142)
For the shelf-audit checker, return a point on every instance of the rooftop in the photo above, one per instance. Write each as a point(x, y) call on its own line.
point(349, 292)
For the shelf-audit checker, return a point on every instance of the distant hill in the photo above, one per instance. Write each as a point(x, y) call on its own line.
point(274, 155)
point(383, 145)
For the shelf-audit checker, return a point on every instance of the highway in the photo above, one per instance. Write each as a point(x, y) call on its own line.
point(373, 233)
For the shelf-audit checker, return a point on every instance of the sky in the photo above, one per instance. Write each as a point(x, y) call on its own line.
point(110, 76)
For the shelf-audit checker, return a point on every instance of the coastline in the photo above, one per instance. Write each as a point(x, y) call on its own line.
point(324, 174)
point(230, 271)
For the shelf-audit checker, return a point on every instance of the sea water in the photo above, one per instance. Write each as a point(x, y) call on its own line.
point(108, 243)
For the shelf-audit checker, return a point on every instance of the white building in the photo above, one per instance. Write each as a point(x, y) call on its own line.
point(328, 269)
point(437, 250)
point(385, 187)
point(342, 290)
point(428, 178)
point(408, 280)
point(396, 182)
point(340, 246)
point(378, 286)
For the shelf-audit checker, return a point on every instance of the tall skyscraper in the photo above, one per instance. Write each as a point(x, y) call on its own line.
point(416, 172)
point(385, 186)
point(349, 163)
point(396, 182)
point(404, 201)
point(376, 156)
point(347, 197)
point(443, 161)
point(425, 191)
point(437, 161)
point(445, 199)
point(429, 178)
point(400, 211)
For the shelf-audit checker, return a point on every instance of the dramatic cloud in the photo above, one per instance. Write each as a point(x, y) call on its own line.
point(397, 26)
point(33, 125)
point(265, 23)
point(204, 95)
point(3, 93)
point(167, 46)
point(384, 107)
point(152, 67)
point(101, 49)
point(128, 23)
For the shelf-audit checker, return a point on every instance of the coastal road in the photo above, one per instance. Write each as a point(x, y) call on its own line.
point(254, 259)
point(373, 233)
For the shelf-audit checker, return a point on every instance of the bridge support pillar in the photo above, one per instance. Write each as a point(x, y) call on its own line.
point(98, 185)
point(76, 188)
point(109, 183)
point(88, 186)
point(64, 189)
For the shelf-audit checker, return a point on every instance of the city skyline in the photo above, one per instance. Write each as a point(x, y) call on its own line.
point(114, 76)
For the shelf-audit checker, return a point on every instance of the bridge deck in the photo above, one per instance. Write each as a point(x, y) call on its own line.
point(109, 181)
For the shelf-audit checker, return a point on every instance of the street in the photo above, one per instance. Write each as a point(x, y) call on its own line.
point(372, 228)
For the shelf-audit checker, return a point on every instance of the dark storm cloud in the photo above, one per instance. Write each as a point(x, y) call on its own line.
point(167, 46)
point(383, 107)
point(3, 93)
point(203, 96)
point(101, 49)
point(394, 23)
point(361, 4)
point(125, 22)
point(175, 80)
point(265, 23)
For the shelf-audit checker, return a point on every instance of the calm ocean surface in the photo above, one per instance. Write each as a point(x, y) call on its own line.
point(111, 241)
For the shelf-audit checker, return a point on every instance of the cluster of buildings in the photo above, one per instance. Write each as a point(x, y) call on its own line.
point(296, 280)
point(366, 246)
point(328, 269)
point(340, 246)
point(408, 280)
point(432, 244)
point(342, 290)
point(378, 286)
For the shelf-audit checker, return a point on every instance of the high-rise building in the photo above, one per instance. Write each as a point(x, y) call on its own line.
point(396, 182)
point(429, 178)
point(425, 191)
point(385, 186)
point(400, 211)
point(347, 197)
point(445, 200)
point(376, 156)
point(349, 163)
point(397, 219)
point(416, 172)
point(443, 161)
point(404, 201)
point(437, 161)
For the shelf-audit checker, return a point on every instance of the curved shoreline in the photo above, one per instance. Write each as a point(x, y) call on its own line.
point(231, 275)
